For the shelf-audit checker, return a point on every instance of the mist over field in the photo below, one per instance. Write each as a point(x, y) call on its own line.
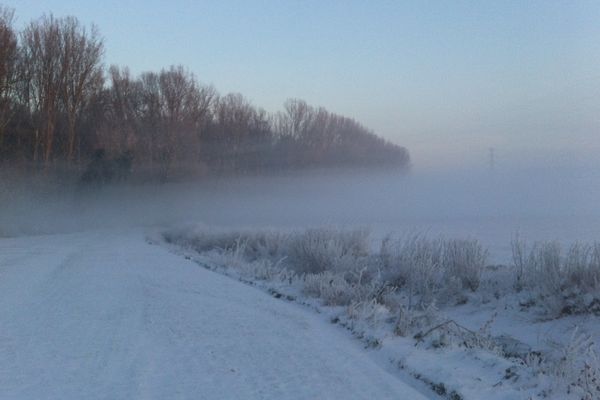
point(489, 205)
point(288, 200)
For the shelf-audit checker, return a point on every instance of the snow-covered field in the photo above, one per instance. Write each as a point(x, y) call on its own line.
point(107, 315)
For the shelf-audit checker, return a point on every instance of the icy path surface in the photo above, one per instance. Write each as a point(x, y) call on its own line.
point(108, 316)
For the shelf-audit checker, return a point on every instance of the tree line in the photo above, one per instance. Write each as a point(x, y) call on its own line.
point(59, 105)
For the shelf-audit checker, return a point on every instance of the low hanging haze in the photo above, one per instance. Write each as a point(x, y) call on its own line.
point(448, 80)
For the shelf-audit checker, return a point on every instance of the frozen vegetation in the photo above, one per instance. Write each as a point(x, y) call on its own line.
point(434, 306)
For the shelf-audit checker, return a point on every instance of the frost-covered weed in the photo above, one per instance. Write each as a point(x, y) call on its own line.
point(411, 321)
point(564, 282)
point(335, 290)
point(330, 287)
point(339, 267)
point(414, 264)
point(367, 314)
point(574, 367)
point(265, 270)
point(310, 251)
point(202, 241)
point(432, 269)
point(333, 265)
point(519, 258)
point(464, 259)
point(229, 258)
point(266, 245)
point(319, 250)
point(256, 244)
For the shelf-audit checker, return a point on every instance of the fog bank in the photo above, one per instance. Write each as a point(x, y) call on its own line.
point(492, 206)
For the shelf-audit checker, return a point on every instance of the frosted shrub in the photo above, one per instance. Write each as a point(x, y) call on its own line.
point(544, 267)
point(574, 366)
point(410, 321)
point(265, 270)
point(256, 244)
point(319, 250)
point(404, 322)
point(221, 241)
point(202, 241)
point(311, 251)
point(332, 288)
point(412, 263)
point(339, 267)
point(266, 245)
point(451, 333)
point(231, 258)
point(582, 266)
point(519, 249)
point(565, 282)
point(370, 312)
point(427, 268)
point(464, 259)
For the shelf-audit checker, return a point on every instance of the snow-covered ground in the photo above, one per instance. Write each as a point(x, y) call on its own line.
point(495, 342)
point(103, 314)
point(106, 315)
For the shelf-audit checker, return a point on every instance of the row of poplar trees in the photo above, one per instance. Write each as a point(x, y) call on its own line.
point(59, 105)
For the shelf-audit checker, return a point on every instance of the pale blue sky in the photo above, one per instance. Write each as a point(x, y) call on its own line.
point(448, 79)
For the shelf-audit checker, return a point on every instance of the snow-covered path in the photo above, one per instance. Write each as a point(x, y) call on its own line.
point(109, 316)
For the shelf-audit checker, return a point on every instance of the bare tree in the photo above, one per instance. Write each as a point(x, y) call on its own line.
point(150, 112)
point(8, 73)
point(183, 110)
point(123, 120)
point(295, 119)
point(41, 47)
point(176, 87)
point(233, 119)
point(81, 66)
point(54, 102)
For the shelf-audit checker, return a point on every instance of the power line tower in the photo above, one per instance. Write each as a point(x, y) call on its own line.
point(492, 159)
